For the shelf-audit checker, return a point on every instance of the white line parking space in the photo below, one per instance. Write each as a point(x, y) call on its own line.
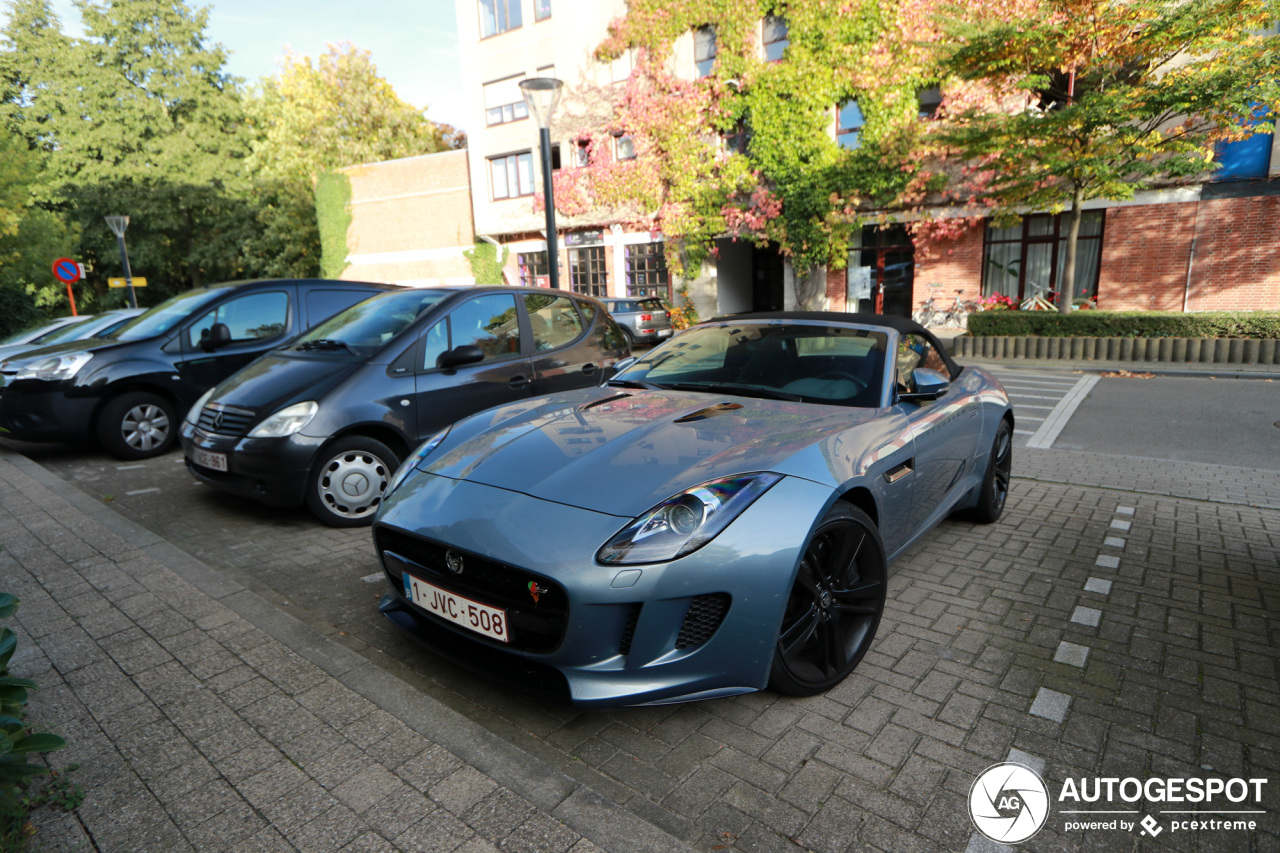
point(1037, 400)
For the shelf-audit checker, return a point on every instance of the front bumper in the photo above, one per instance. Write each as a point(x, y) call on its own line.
point(625, 631)
point(272, 470)
point(31, 410)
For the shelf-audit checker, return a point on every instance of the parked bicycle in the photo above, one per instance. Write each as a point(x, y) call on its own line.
point(956, 315)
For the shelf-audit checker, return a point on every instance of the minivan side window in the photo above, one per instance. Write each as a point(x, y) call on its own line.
point(435, 342)
point(554, 320)
point(255, 317)
point(489, 322)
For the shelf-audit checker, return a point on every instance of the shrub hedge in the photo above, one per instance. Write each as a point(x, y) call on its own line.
point(1126, 324)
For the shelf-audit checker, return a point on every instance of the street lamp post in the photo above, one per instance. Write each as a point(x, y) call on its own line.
point(117, 224)
point(541, 94)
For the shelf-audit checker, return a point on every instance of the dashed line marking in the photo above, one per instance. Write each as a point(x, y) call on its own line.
point(1124, 510)
point(1087, 616)
point(1071, 654)
point(1098, 585)
point(129, 467)
point(1117, 524)
point(1114, 542)
point(373, 578)
point(1051, 705)
point(141, 492)
point(1108, 561)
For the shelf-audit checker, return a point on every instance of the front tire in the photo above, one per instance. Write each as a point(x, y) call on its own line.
point(995, 485)
point(137, 425)
point(834, 606)
point(347, 484)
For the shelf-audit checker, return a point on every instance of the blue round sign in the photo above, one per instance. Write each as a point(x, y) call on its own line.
point(66, 270)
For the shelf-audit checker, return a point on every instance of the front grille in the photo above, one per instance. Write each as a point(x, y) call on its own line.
point(536, 626)
point(224, 421)
point(705, 614)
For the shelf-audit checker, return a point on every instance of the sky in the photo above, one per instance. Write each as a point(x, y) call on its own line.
point(413, 42)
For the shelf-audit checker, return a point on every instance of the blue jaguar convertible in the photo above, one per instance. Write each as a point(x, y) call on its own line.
point(715, 519)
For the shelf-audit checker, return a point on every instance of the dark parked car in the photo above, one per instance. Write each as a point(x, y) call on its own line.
point(36, 334)
point(14, 356)
point(129, 389)
point(644, 320)
point(727, 523)
point(327, 420)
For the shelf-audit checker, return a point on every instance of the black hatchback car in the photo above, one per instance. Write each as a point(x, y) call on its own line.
point(327, 420)
point(129, 389)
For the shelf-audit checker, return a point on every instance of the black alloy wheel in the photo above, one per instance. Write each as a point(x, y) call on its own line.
point(995, 485)
point(834, 607)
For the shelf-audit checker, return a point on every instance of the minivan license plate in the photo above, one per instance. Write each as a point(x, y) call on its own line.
point(216, 461)
point(489, 621)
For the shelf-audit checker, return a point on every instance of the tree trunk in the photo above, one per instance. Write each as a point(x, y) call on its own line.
point(1067, 287)
point(811, 289)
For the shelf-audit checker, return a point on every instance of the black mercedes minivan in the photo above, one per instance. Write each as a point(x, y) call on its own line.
point(327, 420)
point(129, 389)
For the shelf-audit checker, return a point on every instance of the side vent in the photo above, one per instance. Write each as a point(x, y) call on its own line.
point(629, 632)
point(705, 614)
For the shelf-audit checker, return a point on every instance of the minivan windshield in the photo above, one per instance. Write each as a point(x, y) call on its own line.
point(367, 326)
point(165, 316)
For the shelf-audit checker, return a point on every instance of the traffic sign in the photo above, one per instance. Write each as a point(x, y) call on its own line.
point(67, 270)
point(120, 282)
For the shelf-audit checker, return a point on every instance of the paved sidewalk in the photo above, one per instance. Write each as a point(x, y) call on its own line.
point(203, 718)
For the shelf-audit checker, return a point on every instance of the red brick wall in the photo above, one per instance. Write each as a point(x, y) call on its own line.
point(954, 264)
point(1144, 257)
point(836, 290)
point(1237, 261)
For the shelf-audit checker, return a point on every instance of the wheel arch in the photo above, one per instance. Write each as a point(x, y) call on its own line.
point(132, 386)
point(860, 497)
point(388, 435)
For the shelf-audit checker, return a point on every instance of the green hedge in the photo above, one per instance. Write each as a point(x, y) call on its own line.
point(1126, 324)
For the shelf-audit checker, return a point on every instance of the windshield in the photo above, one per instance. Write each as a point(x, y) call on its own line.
point(366, 326)
point(165, 316)
point(836, 365)
point(71, 331)
point(25, 336)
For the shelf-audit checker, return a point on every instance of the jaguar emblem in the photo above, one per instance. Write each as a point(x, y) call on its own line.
point(453, 560)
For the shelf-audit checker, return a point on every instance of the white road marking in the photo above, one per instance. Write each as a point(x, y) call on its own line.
point(1098, 585)
point(1114, 542)
point(1058, 418)
point(129, 467)
point(373, 578)
point(1117, 524)
point(141, 492)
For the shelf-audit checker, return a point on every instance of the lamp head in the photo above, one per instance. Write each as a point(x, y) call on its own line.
point(541, 94)
point(117, 224)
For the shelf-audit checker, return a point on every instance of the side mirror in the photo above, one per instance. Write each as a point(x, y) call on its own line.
point(926, 384)
point(460, 356)
point(216, 336)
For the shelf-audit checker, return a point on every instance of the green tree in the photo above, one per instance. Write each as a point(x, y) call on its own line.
point(1104, 97)
point(333, 112)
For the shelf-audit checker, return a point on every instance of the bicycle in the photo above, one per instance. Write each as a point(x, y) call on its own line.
point(1037, 302)
point(958, 314)
point(929, 314)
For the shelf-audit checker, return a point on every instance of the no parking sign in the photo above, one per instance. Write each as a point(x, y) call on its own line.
point(69, 272)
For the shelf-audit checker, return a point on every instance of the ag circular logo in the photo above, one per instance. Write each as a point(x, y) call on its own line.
point(1008, 803)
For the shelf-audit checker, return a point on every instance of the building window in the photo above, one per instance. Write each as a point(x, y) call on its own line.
point(587, 273)
point(541, 10)
point(511, 176)
point(647, 271)
point(534, 271)
point(773, 35)
point(929, 100)
point(737, 142)
point(1026, 261)
point(625, 147)
point(498, 16)
point(881, 272)
point(704, 50)
point(849, 125)
point(503, 101)
point(580, 153)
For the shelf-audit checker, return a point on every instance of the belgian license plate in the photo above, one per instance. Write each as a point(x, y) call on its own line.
point(216, 461)
point(489, 621)
point(664, 333)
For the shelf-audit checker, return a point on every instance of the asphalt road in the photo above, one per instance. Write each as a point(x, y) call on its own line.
point(1217, 421)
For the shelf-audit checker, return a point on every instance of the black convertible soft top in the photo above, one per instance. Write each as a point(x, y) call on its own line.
point(902, 325)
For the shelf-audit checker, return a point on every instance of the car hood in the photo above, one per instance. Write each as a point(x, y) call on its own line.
point(36, 352)
point(277, 380)
point(622, 451)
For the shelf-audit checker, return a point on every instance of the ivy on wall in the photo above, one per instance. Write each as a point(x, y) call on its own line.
point(486, 265)
point(333, 214)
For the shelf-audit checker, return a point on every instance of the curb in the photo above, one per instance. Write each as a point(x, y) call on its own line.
point(611, 826)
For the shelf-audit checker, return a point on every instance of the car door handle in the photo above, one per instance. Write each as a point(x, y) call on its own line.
point(518, 382)
point(893, 475)
point(589, 368)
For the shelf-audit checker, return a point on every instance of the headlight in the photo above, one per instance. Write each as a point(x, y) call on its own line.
point(415, 458)
point(287, 421)
point(685, 522)
point(55, 369)
point(193, 414)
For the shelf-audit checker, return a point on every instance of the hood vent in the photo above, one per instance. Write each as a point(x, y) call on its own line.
point(709, 412)
point(595, 403)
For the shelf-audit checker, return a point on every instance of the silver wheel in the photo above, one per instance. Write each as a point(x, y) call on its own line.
point(351, 484)
point(145, 427)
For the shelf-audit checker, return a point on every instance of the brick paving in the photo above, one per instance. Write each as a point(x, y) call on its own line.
point(1172, 673)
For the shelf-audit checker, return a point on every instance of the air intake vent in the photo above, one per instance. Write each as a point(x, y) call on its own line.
point(629, 631)
point(706, 612)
